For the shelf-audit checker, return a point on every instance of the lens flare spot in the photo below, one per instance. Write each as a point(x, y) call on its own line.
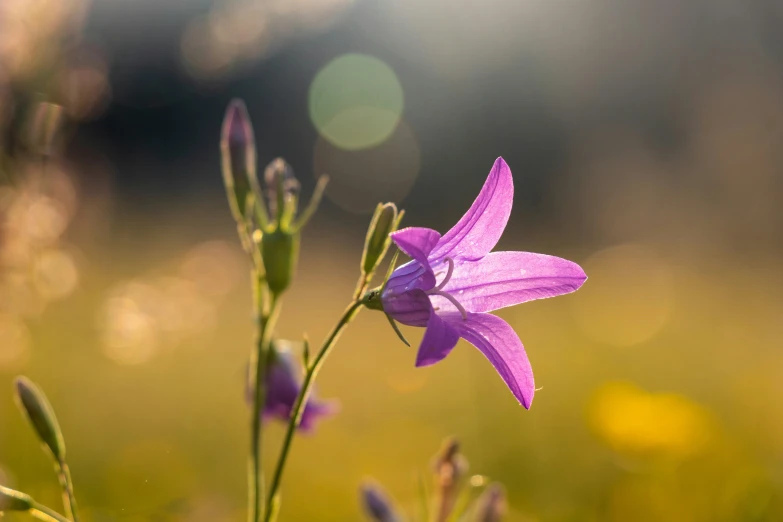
point(632, 420)
point(629, 297)
point(14, 342)
point(55, 275)
point(356, 101)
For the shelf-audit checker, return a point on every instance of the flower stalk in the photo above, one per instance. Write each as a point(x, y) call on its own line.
point(265, 317)
point(311, 373)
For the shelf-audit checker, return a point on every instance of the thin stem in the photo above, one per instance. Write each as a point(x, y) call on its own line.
point(69, 500)
point(42, 512)
point(311, 373)
point(265, 321)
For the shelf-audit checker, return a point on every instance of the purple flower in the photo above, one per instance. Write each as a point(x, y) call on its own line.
point(377, 504)
point(454, 280)
point(283, 384)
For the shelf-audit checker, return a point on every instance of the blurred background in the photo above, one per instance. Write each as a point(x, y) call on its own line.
point(646, 142)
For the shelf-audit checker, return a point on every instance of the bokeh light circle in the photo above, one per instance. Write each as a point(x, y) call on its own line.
point(356, 101)
point(359, 179)
point(628, 298)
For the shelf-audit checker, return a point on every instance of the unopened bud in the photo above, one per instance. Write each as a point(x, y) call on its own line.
point(384, 222)
point(282, 189)
point(238, 151)
point(450, 465)
point(11, 500)
point(47, 120)
point(491, 505)
point(450, 468)
point(35, 406)
point(280, 252)
point(377, 504)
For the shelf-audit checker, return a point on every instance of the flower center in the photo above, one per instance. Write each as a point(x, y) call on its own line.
point(438, 290)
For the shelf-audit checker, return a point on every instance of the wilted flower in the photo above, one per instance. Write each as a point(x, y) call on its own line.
point(453, 280)
point(283, 383)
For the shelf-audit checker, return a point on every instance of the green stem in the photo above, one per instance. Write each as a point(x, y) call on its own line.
point(69, 499)
point(265, 322)
point(273, 502)
point(42, 512)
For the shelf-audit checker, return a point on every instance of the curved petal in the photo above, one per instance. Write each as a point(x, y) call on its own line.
point(411, 275)
point(500, 344)
point(412, 307)
point(417, 243)
point(438, 341)
point(480, 228)
point(504, 279)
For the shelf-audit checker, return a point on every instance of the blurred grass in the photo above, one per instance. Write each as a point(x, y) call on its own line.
point(166, 439)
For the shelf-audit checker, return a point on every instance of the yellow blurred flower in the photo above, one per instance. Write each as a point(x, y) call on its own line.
point(632, 420)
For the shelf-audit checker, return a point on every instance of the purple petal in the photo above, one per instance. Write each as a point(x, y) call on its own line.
point(439, 339)
point(501, 345)
point(504, 279)
point(417, 243)
point(481, 227)
point(411, 307)
point(283, 385)
point(411, 275)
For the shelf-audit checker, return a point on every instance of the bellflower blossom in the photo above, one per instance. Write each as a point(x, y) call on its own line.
point(282, 388)
point(453, 281)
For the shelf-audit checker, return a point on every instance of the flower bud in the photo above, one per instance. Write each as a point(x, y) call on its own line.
point(280, 252)
point(491, 505)
point(450, 467)
point(33, 403)
point(35, 406)
point(238, 151)
point(377, 504)
point(282, 189)
point(11, 500)
point(384, 222)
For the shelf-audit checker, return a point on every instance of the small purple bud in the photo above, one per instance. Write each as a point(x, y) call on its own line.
point(11, 500)
point(238, 151)
point(377, 504)
point(282, 189)
point(283, 383)
point(491, 505)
